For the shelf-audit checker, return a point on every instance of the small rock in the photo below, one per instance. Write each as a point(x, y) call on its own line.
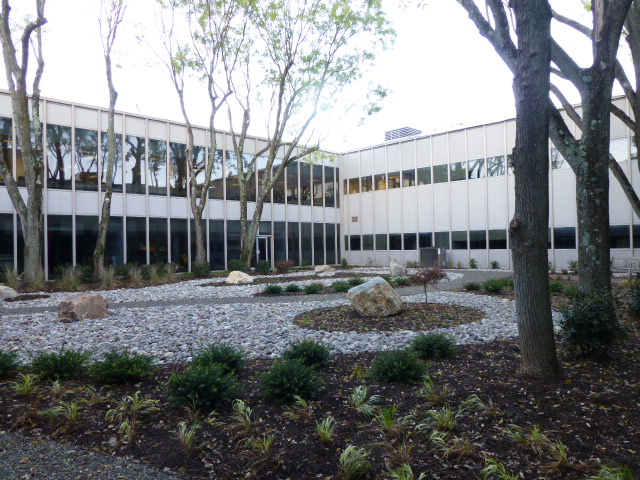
point(325, 271)
point(237, 277)
point(7, 292)
point(397, 270)
point(375, 298)
point(85, 305)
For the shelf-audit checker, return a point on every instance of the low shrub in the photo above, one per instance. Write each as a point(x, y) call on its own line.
point(273, 290)
point(556, 286)
point(493, 286)
point(200, 269)
point(473, 263)
point(288, 379)
point(228, 357)
point(310, 352)
point(590, 323)
point(354, 282)
point(263, 267)
point(434, 346)
point(340, 286)
point(387, 278)
point(398, 366)
point(313, 288)
point(572, 291)
point(401, 281)
point(203, 388)
point(284, 265)
point(573, 266)
point(293, 288)
point(236, 265)
point(508, 282)
point(344, 264)
point(161, 268)
point(633, 305)
point(122, 271)
point(9, 363)
point(495, 265)
point(472, 286)
point(146, 271)
point(86, 273)
point(122, 367)
point(61, 365)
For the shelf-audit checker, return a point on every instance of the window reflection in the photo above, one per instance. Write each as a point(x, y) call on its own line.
point(354, 185)
point(198, 163)
point(117, 166)
point(393, 180)
point(476, 168)
point(157, 167)
point(318, 183)
point(135, 164)
point(6, 144)
point(279, 190)
point(58, 157)
point(458, 171)
point(329, 192)
point(424, 176)
point(367, 183)
point(496, 166)
point(292, 186)
point(86, 159)
point(380, 181)
point(408, 178)
point(305, 186)
point(216, 189)
point(178, 173)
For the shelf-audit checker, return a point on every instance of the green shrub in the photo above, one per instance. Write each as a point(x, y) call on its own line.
point(293, 288)
point(236, 264)
point(556, 286)
point(633, 305)
point(122, 367)
point(284, 265)
point(263, 267)
point(493, 286)
point(122, 271)
point(200, 269)
point(507, 282)
point(434, 346)
point(472, 286)
point(401, 281)
point(86, 273)
point(203, 388)
point(288, 379)
point(9, 363)
point(495, 265)
point(273, 290)
point(313, 288)
point(161, 268)
point(61, 365)
point(590, 323)
point(572, 291)
point(354, 282)
point(310, 352)
point(473, 263)
point(344, 264)
point(387, 278)
point(398, 366)
point(146, 271)
point(228, 357)
point(573, 266)
point(340, 286)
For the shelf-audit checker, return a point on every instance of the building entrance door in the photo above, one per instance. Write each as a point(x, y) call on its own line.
point(263, 248)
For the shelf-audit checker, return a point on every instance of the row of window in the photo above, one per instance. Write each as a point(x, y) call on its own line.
point(620, 236)
point(166, 240)
point(161, 168)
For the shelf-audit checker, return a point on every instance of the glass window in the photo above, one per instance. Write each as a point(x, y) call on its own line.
point(178, 174)
point(114, 250)
point(424, 176)
point(619, 236)
point(496, 166)
point(216, 244)
point(262, 166)
point(354, 243)
point(86, 236)
point(337, 184)
point(381, 241)
point(318, 183)
point(136, 240)
point(330, 241)
point(158, 239)
point(306, 243)
point(6, 145)
point(233, 240)
point(293, 238)
point(346, 242)
point(134, 165)
point(198, 164)
point(408, 178)
point(476, 168)
point(564, 237)
point(395, 241)
point(252, 192)
point(410, 241)
point(635, 229)
point(329, 189)
point(557, 160)
point(345, 188)
point(157, 168)
point(318, 244)
point(424, 240)
point(510, 164)
point(59, 157)
point(478, 239)
point(442, 240)
point(279, 241)
point(354, 185)
point(458, 171)
point(86, 159)
point(292, 186)
point(6, 240)
point(179, 244)
point(305, 187)
point(440, 173)
point(634, 148)
point(380, 181)
point(279, 190)
point(367, 242)
point(393, 180)
point(459, 240)
point(233, 187)
point(60, 244)
point(117, 166)
point(498, 239)
point(216, 189)
point(367, 183)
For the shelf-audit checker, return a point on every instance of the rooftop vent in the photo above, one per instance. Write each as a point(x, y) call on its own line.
point(400, 133)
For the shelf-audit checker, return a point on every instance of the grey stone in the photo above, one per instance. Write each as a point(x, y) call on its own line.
point(325, 271)
point(237, 277)
point(7, 292)
point(397, 270)
point(375, 298)
point(80, 307)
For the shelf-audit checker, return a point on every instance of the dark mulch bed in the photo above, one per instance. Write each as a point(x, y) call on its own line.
point(415, 316)
point(592, 409)
point(260, 280)
point(27, 296)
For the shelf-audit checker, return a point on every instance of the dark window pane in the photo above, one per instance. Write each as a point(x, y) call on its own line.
point(442, 240)
point(279, 191)
point(394, 180)
point(459, 240)
point(305, 187)
point(114, 250)
point(619, 236)
point(86, 159)
point(498, 239)
point(293, 237)
point(6, 240)
point(251, 181)
point(329, 189)
point(346, 242)
point(636, 236)
point(216, 244)
point(440, 173)
point(231, 173)
point(178, 175)
point(192, 226)
point(381, 241)
point(135, 165)
point(424, 176)
point(330, 242)
point(306, 243)
point(60, 242)
point(6, 143)
point(157, 167)
point(408, 178)
point(367, 242)
point(410, 241)
point(367, 183)
point(216, 189)
point(380, 181)
point(337, 184)
point(354, 185)
point(318, 183)
point(318, 244)
point(564, 237)
point(424, 240)
point(292, 186)
point(478, 239)
point(395, 241)
point(233, 240)
point(179, 244)
point(117, 166)
point(158, 240)
point(496, 166)
point(458, 171)
point(354, 243)
point(86, 236)
point(279, 241)
point(136, 240)
point(476, 168)
point(58, 157)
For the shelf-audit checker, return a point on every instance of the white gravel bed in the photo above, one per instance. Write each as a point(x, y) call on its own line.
point(263, 330)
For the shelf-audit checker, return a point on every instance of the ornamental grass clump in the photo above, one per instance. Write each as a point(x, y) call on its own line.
point(429, 276)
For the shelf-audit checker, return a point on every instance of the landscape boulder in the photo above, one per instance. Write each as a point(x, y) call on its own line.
point(7, 292)
point(325, 271)
point(80, 307)
point(397, 270)
point(375, 298)
point(237, 277)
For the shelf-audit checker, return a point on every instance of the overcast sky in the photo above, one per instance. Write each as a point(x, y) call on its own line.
point(441, 72)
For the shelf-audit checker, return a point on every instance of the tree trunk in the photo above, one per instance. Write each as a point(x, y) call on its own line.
point(528, 228)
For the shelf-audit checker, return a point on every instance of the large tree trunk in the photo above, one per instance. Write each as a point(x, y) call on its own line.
point(528, 228)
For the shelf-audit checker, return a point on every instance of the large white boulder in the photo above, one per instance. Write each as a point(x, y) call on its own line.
point(397, 270)
point(7, 292)
point(324, 271)
point(237, 277)
point(375, 298)
point(85, 305)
